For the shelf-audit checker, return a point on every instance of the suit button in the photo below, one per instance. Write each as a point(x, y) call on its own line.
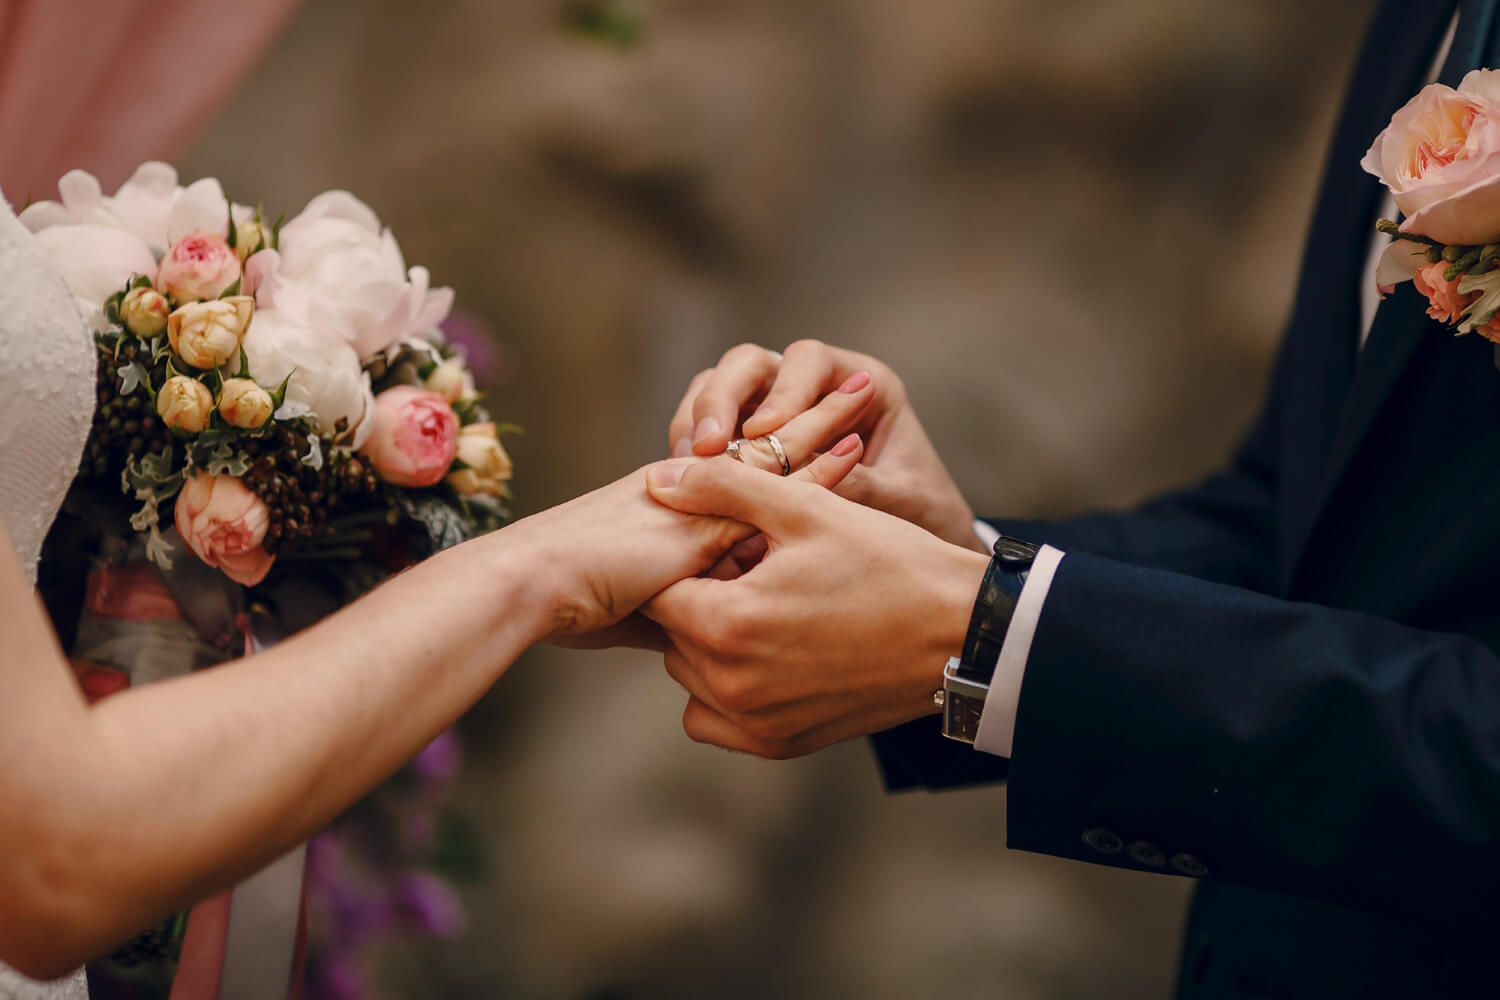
point(1189, 865)
point(1104, 841)
point(1147, 853)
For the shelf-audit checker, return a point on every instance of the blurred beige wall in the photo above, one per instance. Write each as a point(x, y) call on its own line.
point(1071, 225)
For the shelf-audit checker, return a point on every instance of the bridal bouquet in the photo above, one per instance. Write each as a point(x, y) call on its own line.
point(1440, 160)
point(271, 390)
point(280, 425)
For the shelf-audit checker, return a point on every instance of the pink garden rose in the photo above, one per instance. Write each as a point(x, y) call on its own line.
point(1440, 158)
point(199, 266)
point(224, 524)
point(415, 437)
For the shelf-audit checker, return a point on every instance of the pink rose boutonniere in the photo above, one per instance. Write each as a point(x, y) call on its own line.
point(1440, 159)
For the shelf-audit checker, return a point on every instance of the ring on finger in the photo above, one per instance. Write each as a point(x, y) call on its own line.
point(733, 450)
point(775, 443)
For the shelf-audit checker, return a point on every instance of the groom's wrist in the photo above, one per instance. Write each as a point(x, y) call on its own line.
point(967, 677)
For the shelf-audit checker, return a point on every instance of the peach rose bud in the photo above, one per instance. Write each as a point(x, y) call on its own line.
point(199, 266)
point(244, 404)
point(144, 312)
point(185, 404)
point(224, 524)
point(208, 334)
point(489, 467)
point(415, 437)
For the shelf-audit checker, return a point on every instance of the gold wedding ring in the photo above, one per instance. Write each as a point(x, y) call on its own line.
point(775, 443)
point(736, 450)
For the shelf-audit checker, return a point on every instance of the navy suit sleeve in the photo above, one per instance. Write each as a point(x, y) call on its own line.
point(1222, 530)
point(1309, 750)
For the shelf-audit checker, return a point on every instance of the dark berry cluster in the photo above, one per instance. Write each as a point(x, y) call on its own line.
point(302, 499)
point(125, 426)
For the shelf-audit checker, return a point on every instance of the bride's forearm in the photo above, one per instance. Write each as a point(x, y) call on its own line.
point(200, 781)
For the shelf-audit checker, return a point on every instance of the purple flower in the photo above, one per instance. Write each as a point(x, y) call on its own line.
point(337, 979)
point(467, 331)
point(440, 761)
point(431, 905)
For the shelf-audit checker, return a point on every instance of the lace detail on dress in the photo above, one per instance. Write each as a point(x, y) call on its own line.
point(46, 391)
point(15, 987)
point(46, 406)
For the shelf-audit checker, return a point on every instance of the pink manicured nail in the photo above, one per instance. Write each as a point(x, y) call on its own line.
point(707, 428)
point(665, 475)
point(854, 383)
point(846, 446)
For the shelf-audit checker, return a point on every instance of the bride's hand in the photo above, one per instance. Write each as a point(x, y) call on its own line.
point(604, 554)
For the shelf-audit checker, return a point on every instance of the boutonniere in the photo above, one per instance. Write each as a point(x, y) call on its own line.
point(1440, 159)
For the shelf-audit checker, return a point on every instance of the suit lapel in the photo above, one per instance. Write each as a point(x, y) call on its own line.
point(1393, 66)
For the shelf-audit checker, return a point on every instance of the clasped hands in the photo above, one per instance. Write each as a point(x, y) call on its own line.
point(833, 616)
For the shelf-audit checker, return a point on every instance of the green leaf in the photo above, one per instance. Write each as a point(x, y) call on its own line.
point(244, 371)
point(112, 307)
point(233, 289)
point(140, 281)
point(226, 460)
point(279, 395)
point(229, 210)
point(276, 231)
point(132, 377)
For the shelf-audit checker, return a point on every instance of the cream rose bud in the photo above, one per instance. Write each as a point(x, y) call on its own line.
point(208, 334)
point(185, 404)
point(244, 404)
point(251, 237)
point(489, 467)
point(199, 266)
point(450, 380)
point(144, 312)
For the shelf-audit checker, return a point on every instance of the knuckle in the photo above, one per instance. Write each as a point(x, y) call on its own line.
point(805, 348)
point(734, 690)
point(744, 352)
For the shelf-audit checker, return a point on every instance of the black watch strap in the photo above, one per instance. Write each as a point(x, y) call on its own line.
point(994, 607)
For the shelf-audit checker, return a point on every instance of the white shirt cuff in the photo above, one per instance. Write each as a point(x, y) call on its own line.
point(997, 723)
point(986, 534)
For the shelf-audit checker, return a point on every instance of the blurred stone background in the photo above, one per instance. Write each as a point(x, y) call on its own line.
point(1071, 225)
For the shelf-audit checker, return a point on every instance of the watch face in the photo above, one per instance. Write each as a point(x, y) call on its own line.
point(961, 716)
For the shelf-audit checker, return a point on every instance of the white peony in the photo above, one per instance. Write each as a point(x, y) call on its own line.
point(340, 272)
point(327, 380)
point(98, 243)
point(95, 261)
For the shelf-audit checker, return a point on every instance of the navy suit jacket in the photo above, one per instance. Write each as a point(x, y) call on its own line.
point(1286, 678)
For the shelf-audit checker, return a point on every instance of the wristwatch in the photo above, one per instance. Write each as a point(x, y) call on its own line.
point(966, 678)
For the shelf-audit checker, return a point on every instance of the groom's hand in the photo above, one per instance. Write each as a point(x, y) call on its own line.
point(762, 391)
point(655, 546)
point(841, 630)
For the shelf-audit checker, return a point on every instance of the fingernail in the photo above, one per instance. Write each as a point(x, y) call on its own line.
point(665, 475)
point(707, 428)
point(854, 383)
point(845, 446)
point(683, 448)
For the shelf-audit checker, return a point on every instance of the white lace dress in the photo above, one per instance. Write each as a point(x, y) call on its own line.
point(46, 405)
